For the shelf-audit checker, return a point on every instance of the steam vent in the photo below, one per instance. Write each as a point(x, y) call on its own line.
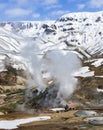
point(51, 72)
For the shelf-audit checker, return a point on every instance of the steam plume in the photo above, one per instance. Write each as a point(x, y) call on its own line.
point(61, 67)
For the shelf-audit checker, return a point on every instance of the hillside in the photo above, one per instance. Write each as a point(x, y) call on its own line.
point(42, 50)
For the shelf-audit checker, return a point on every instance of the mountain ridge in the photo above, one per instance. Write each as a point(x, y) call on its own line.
point(45, 52)
point(76, 32)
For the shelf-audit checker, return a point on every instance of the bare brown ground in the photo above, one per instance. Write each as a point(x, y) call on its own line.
point(58, 121)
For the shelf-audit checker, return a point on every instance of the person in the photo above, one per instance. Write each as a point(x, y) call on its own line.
point(66, 107)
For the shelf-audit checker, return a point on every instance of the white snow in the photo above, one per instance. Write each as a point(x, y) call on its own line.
point(98, 62)
point(101, 76)
point(13, 124)
point(83, 34)
point(84, 72)
point(84, 31)
point(57, 109)
point(99, 90)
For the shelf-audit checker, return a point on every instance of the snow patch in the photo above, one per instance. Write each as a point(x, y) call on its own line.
point(13, 124)
point(57, 109)
point(101, 76)
point(98, 62)
point(84, 72)
point(99, 90)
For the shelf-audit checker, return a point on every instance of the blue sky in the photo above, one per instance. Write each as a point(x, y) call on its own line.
point(17, 10)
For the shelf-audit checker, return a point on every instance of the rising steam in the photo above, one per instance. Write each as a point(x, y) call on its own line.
point(58, 65)
point(61, 67)
point(33, 66)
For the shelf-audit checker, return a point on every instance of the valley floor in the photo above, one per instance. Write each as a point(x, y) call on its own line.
point(59, 121)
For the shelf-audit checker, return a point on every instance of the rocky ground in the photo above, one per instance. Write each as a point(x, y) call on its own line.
point(12, 91)
point(59, 121)
point(85, 97)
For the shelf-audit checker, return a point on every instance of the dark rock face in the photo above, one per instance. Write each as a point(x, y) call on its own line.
point(45, 26)
point(45, 99)
point(50, 29)
point(100, 86)
point(98, 19)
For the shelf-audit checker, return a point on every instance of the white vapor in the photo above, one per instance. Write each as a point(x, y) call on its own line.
point(61, 67)
point(58, 65)
point(33, 66)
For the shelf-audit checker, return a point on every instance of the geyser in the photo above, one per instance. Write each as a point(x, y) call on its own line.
point(60, 68)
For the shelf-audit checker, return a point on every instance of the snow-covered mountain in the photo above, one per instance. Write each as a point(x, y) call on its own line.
point(15, 35)
point(81, 33)
point(26, 28)
point(48, 51)
point(84, 30)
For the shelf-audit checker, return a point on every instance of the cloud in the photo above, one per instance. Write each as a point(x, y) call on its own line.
point(49, 2)
point(53, 6)
point(72, 1)
point(53, 15)
point(81, 6)
point(36, 15)
point(95, 3)
point(17, 12)
point(2, 6)
point(18, 1)
point(22, 2)
point(59, 12)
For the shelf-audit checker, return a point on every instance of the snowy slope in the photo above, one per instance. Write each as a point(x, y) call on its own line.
point(10, 48)
point(81, 33)
point(8, 45)
point(26, 28)
point(14, 36)
point(84, 31)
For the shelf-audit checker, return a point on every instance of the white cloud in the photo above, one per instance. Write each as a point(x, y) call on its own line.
point(81, 6)
point(49, 2)
point(22, 2)
point(2, 6)
point(36, 15)
point(95, 3)
point(18, 1)
point(17, 12)
point(59, 12)
point(53, 6)
point(72, 0)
